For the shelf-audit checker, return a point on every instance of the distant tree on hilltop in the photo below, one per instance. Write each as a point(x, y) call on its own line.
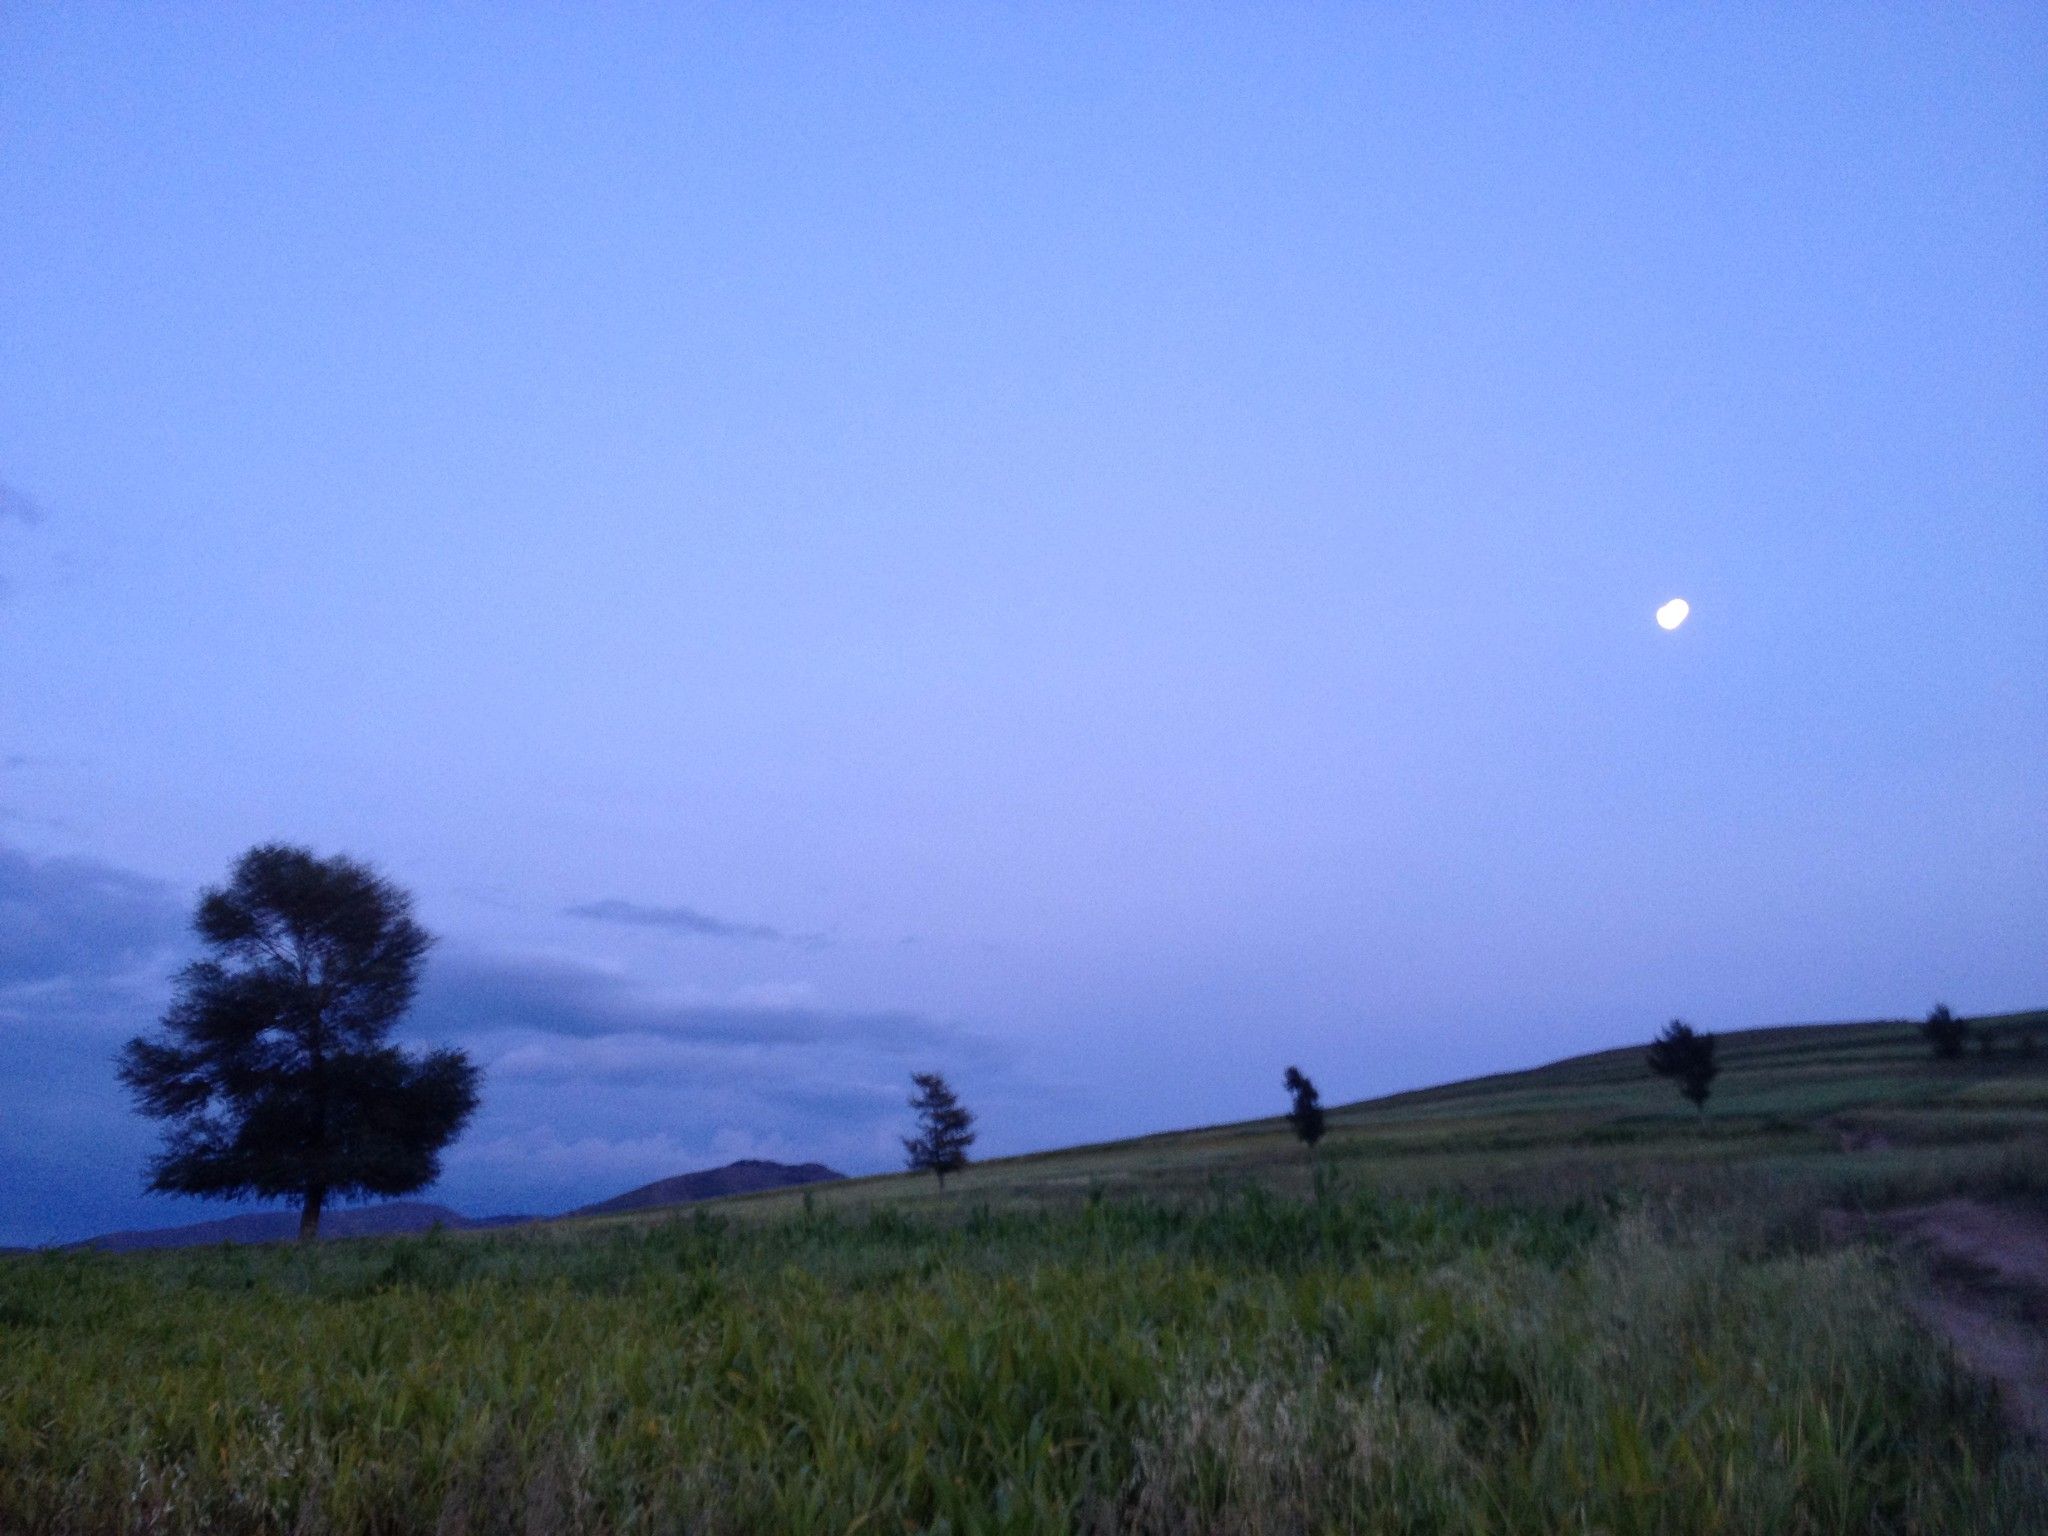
point(945, 1128)
point(1946, 1033)
point(1306, 1115)
point(1686, 1055)
point(273, 1069)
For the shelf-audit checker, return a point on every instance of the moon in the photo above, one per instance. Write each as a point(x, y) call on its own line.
point(1673, 613)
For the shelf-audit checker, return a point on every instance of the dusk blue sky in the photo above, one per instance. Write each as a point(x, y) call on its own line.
point(1102, 550)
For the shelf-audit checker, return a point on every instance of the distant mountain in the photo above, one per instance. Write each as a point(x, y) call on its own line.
point(399, 1217)
point(741, 1178)
point(388, 1220)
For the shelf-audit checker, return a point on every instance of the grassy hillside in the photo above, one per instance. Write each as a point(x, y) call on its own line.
point(1545, 1301)
point(1859, 1109)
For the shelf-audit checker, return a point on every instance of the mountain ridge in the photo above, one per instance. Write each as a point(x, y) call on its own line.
point(396, 1218)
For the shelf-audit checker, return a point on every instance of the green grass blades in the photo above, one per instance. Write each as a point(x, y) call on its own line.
point(1240, 1362)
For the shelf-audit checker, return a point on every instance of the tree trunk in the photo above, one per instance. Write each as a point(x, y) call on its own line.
point(309, 1215)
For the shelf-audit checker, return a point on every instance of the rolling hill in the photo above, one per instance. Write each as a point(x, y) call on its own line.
point(1545, 1300)
point(745, 1177)
point(1860, 1102)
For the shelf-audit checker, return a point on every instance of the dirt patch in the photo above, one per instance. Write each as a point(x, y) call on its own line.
point(1989, 1297)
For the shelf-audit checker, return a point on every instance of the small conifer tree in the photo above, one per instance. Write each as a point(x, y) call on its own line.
point(1306, 1115)
point(945, 1128)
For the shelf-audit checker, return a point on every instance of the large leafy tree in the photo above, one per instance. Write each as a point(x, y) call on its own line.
point(945, 1129)
point(273, 1069)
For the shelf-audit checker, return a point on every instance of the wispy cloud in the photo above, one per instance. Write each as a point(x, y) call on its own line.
point(687, 922)
point(475, 995)
point(17, 506)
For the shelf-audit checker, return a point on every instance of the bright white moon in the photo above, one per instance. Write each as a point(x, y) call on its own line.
point(1673, 613)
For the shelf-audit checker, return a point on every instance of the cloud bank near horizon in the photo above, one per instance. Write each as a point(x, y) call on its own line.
point(595, 1080)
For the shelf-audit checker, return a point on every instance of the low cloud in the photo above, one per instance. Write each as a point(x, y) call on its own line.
point(474, 995)
point(78, 921)
point(594, 1081)
point(86, 952)
point(687, 922)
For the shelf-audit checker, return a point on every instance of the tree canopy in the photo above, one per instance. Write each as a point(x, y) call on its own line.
point(273, 1070)
point(1687, 1055)
point(945, 1128)
point(1946, 1033)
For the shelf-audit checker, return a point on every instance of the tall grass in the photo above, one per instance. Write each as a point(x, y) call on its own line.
point(1239, 1363)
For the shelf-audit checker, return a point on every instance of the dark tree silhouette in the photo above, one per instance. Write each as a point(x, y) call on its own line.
point(1685, 1054)
point(1946, 1033)
point(945, 1130)
point(272, 1070)
point(1306, 1117)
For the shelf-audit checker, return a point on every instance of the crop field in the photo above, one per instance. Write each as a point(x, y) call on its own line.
point(1552, 1301)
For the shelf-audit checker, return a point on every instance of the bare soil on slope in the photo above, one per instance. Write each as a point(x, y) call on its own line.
point(1988, 1294)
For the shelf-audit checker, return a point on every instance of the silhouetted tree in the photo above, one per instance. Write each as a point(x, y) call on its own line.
point(1306, 1117)
point(1946, 1033)
point(273, 1071)
point(1687, 1055)
point(945, 1129)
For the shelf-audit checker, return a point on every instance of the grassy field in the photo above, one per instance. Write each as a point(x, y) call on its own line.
point(1551, 1301)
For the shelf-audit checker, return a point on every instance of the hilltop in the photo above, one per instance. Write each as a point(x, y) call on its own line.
point(747, 1176)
